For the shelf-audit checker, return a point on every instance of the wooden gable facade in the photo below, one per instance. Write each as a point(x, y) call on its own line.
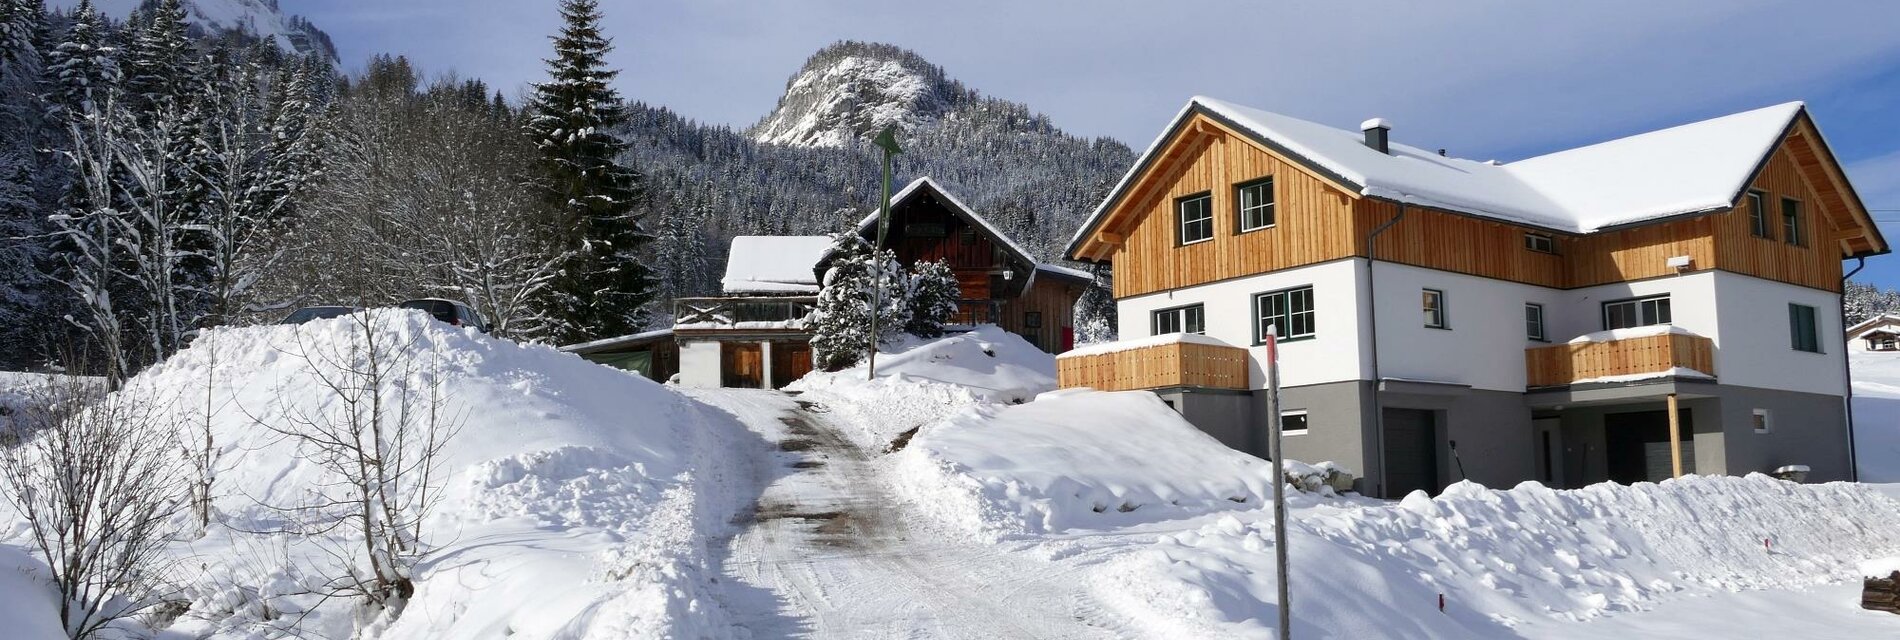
point(1320, 218)
point(999, 283)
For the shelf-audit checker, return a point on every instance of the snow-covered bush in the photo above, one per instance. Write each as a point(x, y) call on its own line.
point(933, 298)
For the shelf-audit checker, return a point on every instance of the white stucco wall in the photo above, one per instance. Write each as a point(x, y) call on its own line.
point(1755, 348)
point(699, 364)
point(1334, 354)
point(1746, 318)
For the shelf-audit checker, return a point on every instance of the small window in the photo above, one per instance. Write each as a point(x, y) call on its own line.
point(1189, 319)
point(967, 236)
point(1434, 309)
point(1290, 312)
point(1802, 332)
point(1764, 423)
point(1640, 312)
point(1293, 423)
point(1032, 319)
point(1534, 322)
point(1758, 215)
point(925, 230)
point(1540, 243)
point(1196, 216)
point(1792, 229)
point(1256, 204)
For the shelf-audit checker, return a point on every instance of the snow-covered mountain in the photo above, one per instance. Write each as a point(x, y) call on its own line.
point(853, 90)
point(262, 19)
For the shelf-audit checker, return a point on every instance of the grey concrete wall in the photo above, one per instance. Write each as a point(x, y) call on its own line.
point(1336, 425)
point(1806, 428)
point(1493, 429)
point(1226, 415)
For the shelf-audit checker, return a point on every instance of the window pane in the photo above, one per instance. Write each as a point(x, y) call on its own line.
point(1757, 215)
point(1167, 322)
point(1620, 315)
point(1292, 422)
point(1791, 220)
point(1194, 319)
point(1534, 321)
point(1434, 308)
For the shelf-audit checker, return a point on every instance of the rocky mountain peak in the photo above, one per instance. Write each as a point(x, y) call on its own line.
point(851, 90)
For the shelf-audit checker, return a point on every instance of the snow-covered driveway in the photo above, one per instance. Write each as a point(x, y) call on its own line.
point(830, 552)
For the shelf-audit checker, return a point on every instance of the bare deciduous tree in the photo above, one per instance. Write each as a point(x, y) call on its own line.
point(99, 493)
point(379, 434)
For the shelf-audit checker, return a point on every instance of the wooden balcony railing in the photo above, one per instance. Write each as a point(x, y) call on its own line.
point(756, 312)
point(1168, 364)
point(1563, 364)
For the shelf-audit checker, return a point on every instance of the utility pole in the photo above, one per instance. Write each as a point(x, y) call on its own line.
point(886, 140)
point(1279, 478)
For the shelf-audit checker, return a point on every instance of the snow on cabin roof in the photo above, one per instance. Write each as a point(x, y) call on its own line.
point(1680, 170)
point(1879, 320)
point(869, 224)
point(774, 264)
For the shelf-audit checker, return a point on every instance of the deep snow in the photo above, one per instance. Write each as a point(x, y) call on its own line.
point(576, 497)
point(1876, 377)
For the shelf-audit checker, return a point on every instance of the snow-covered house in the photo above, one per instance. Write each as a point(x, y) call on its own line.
point(754, 334)
point(1613, 311)
point(1879, 333)
point(1001, 283)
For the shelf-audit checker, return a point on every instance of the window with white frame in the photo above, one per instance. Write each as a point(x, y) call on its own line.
point(1758, 215)
point(1195, 215)
point(1256, 204)
point(1539, 242)
point(1636, 312)
point(1288, 310)
point(1534, 322)
point(1188, 319)
point(1293, 423)
point(1434, 309)
point(1764, 422)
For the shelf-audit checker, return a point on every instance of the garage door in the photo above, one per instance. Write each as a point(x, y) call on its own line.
point(1411, 452)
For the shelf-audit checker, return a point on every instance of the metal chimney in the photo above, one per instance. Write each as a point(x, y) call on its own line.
point(1378, 134)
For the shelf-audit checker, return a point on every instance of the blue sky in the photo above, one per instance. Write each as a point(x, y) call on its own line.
point(1500, 79)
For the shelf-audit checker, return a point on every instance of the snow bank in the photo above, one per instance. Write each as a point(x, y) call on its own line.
point(1079, 459)
point(922, 381)
point(574, 500)
point(1503, 558)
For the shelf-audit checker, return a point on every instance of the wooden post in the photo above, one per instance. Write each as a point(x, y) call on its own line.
point(1675, 438)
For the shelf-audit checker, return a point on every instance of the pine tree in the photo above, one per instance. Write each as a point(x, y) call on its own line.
point(157, 57)
point(81, 69)
point(606, 288)
point(933, 298)
point(841, 325)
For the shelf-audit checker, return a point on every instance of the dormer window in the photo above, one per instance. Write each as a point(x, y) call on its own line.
point(1539, 242)
point(1195, 215)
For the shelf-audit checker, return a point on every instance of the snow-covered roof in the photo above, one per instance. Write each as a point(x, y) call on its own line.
point(1691, 168)
point(631, 339)
point(1881, 320)
point(869, 225)
point(774, 264)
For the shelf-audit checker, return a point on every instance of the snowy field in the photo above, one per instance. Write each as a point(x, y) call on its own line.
point(1876, 414)
point(954, 496)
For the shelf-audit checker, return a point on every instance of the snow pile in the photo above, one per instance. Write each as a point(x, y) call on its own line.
point(922, 381)
point(1143, 343)
point(1876, 376)
point(1079, 459)
point(574, 495)
point(1503, 559)
point(1630, 333)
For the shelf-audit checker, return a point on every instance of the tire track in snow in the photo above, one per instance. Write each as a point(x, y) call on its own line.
point(833, 547)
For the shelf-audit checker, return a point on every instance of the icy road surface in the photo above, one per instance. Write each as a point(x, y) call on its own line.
point(829, 552)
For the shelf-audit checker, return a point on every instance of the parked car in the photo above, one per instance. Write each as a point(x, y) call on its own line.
point(307, 314)
point(449, 311)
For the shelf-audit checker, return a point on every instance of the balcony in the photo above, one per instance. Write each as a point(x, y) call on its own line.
point(1621, 356)
point(1176, 360)
point(756, 313)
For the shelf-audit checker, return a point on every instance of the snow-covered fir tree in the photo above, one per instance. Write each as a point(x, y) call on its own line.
point(933, 298)
point(82, 68)
point(157, 57)
point(572, 118)
point(841, 325)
